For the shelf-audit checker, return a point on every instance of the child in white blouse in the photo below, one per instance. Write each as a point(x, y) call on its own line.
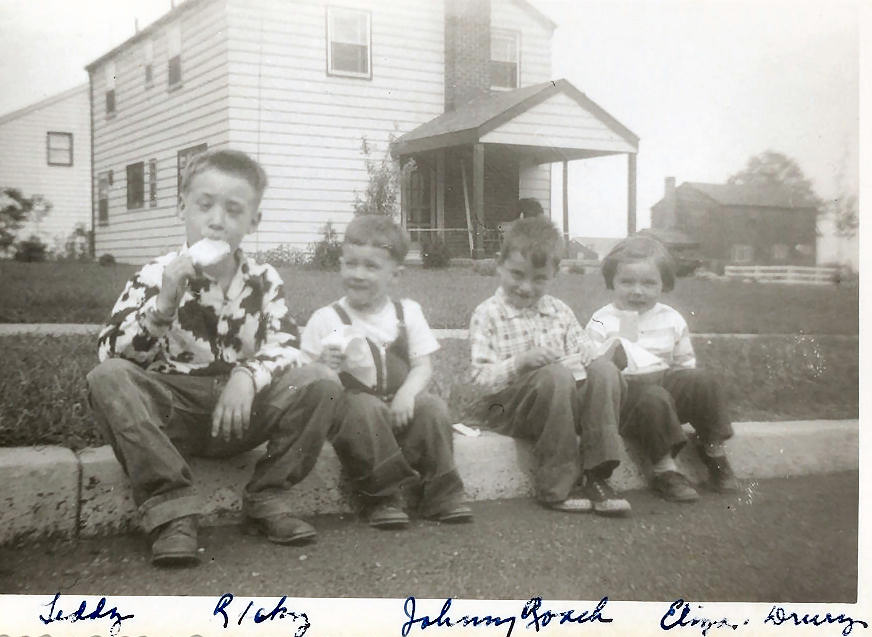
point(638, 270)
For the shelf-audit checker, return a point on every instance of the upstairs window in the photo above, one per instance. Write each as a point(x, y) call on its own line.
point(110, 88)
point(148, 62)
point(152, 183)
point(174, 47)
point(59, 148)
point(104, 180)
point(504, 59)
point(741, 253)
point(135, 185)
point(349, 42)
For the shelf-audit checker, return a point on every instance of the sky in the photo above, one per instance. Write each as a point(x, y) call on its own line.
point(705, 84)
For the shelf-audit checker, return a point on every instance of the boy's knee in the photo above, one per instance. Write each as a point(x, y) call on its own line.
point(603, 370)
point(553, 377)
point(110, 373)
point(654, 397)
point(432, 408)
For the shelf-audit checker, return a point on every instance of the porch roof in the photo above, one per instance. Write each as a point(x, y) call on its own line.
point(553, 121)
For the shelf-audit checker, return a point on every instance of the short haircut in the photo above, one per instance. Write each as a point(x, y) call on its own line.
point(379, 231)
point(534, 238)
point(640, 248)
point(529, 207)
point(234, 162)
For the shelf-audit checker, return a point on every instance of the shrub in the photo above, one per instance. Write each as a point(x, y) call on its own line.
point(486, 267)
point(31, 250)
point(325, 254)
point(106, 259)
point(574, 267)
point(434, 254)
point(77, 245)
point(282, 256)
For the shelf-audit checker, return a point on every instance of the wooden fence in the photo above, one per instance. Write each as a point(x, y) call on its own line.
point(815, 275)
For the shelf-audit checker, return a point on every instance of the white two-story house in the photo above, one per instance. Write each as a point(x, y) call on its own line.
point(462, 87)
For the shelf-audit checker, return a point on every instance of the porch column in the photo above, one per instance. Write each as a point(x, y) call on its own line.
point(478, 199)
point(440, 191)
point(631, 193)
point(566, 208)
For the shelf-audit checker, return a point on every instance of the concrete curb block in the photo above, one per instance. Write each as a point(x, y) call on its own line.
point(40, 492)
point(53, 492)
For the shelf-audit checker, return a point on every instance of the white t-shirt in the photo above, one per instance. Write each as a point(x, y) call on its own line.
point(381, 327)
point(662, 331)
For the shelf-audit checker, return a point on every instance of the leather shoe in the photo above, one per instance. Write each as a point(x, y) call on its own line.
point(282, 529)
point(175, 543)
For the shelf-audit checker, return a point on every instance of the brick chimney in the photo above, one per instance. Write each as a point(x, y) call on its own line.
point(467, 51)
point(669, 202)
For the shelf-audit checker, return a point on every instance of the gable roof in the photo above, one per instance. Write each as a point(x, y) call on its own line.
point(48, 101)
point(149, 30)
point(468, 122)
point(536, 13)
point(770, 196)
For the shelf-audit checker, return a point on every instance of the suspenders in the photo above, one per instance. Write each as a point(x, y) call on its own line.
point(399, 348)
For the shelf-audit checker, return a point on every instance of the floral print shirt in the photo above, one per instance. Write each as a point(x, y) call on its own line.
point(212, 332)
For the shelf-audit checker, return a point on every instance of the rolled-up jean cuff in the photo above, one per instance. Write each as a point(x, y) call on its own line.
point(167, 507)
point(387, 477)
point(266, 504)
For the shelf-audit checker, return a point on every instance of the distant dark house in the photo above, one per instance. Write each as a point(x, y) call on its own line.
point(740, 225)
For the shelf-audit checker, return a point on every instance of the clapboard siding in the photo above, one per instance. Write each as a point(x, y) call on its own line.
point(155, 123)
point(535, 181)
point(535, 39)
point(305, 125)
point(24, 162)
point(559, 121)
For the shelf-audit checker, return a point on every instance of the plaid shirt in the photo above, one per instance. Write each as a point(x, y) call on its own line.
point(499, 333)
point(212, 332)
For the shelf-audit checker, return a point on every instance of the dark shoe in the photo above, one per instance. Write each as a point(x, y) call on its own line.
point(604, 499)
point(282, 529)
point(721, 476)
point(453, 513)
point(175, 543)
point(388, 514)
point(673, 486)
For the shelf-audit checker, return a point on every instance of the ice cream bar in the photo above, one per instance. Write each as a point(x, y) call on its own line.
point(208, 252)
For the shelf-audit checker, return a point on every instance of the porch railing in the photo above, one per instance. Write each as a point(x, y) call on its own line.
point(457, 239)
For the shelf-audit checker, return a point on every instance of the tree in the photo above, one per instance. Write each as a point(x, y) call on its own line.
point(382, 190)
point(14, 212)
point(772, 168)
point(845, 217)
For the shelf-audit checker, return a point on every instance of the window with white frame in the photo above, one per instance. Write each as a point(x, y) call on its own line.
point(148, 62)
point(349, 42)
point(109, 71)
point(780, 252)
point(174, 49)
point(741, 253)
point(505, 67)
point(59, 148)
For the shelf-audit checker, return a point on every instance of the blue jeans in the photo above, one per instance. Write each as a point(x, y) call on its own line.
point(154, 421)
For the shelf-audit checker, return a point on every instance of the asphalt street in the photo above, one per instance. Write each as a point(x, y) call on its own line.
point(790, 540)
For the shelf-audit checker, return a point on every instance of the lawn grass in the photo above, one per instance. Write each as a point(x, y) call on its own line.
point(43, 396)
point(85, 293)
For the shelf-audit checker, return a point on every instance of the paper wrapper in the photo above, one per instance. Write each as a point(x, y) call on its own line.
point(208, 252)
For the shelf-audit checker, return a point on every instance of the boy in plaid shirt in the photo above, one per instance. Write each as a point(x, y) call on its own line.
point(524, 345)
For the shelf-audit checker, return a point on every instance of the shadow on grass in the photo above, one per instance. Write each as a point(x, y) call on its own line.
point(43, 395)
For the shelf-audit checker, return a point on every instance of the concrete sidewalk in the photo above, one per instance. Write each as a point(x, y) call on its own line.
point(52, 491)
